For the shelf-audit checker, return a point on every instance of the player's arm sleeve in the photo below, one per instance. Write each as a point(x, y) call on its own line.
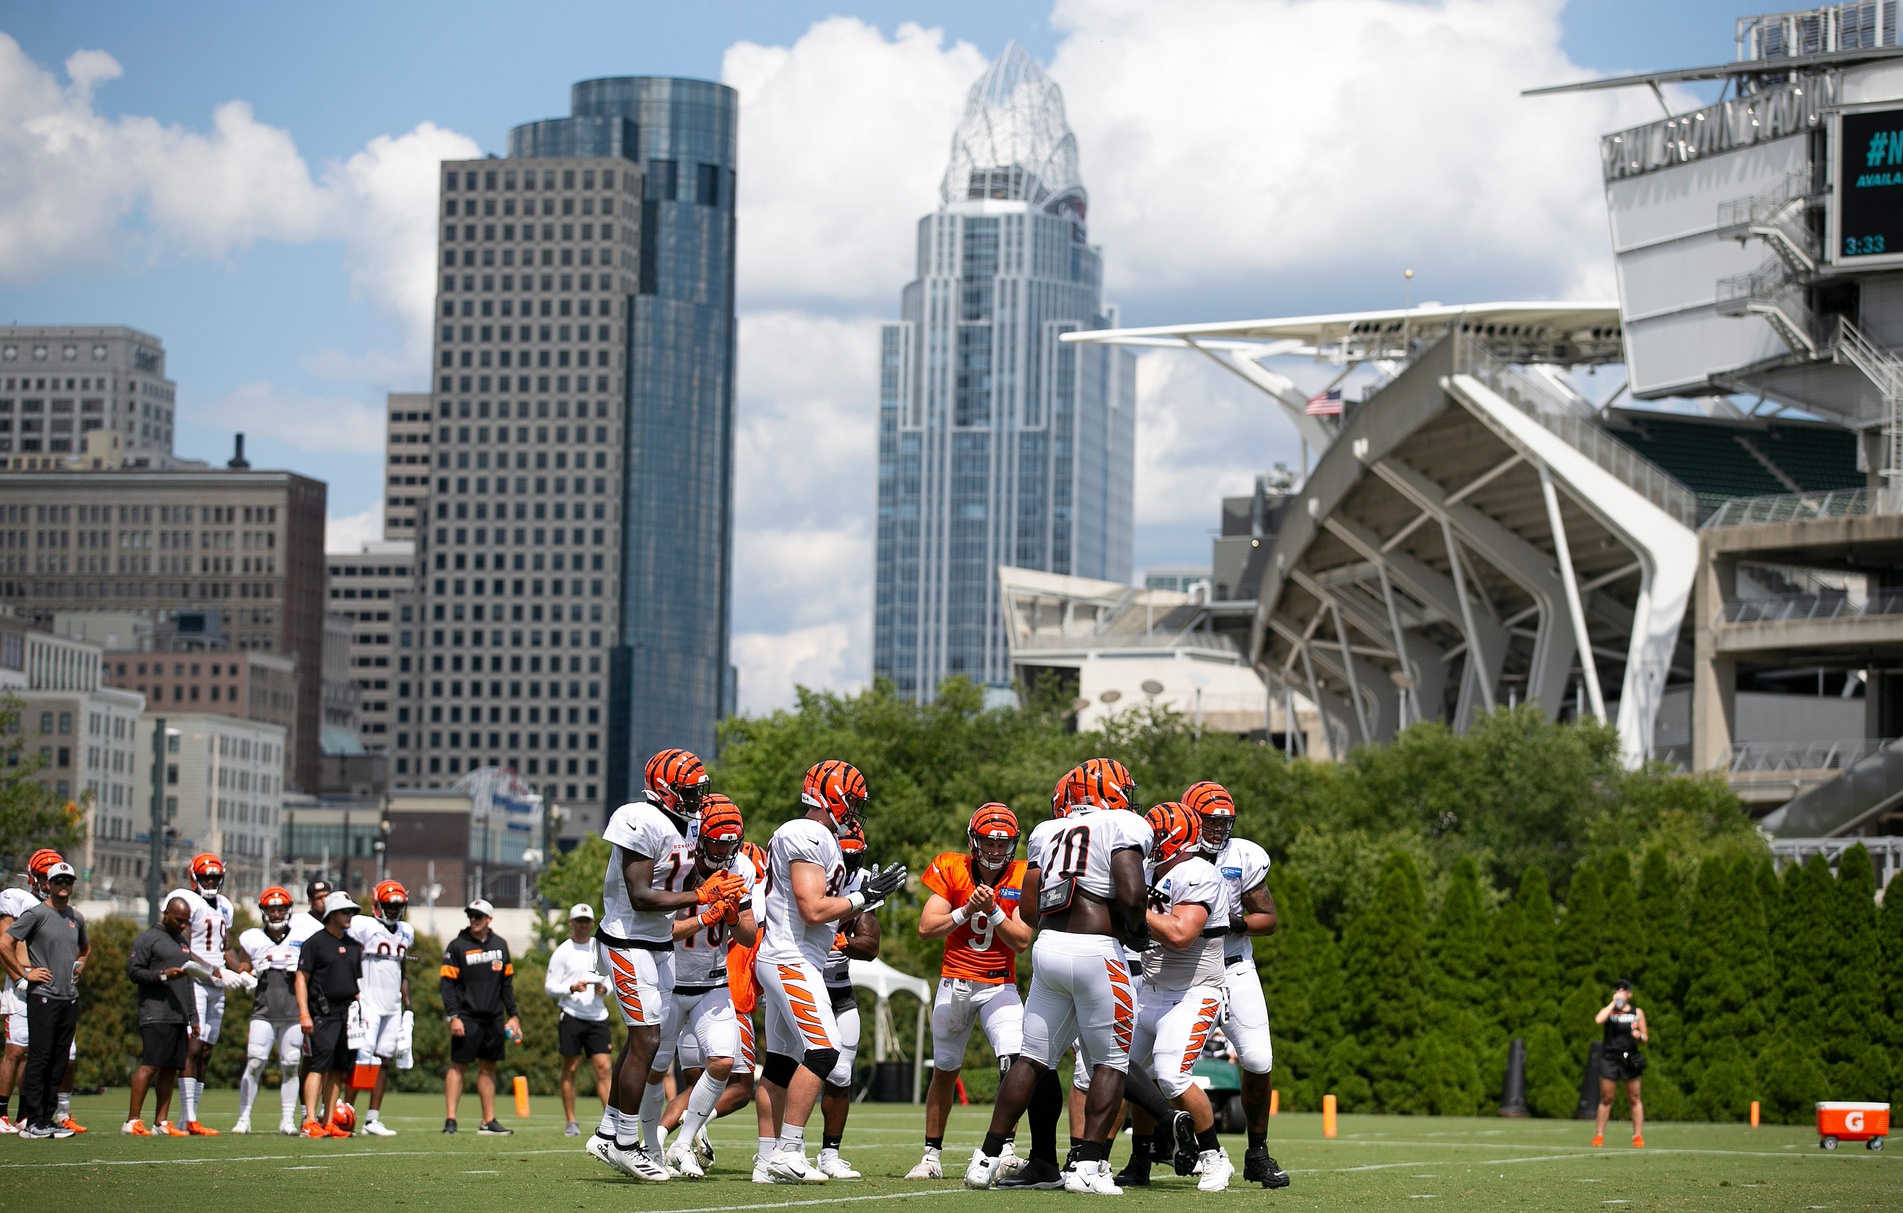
point(450, 986)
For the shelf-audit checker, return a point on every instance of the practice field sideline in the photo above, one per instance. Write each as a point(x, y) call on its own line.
point(1377, 1162)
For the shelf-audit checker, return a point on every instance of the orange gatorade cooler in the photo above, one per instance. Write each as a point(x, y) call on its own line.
point(1868, 1123)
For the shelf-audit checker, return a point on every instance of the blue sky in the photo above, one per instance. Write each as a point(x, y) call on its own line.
point(274, 318)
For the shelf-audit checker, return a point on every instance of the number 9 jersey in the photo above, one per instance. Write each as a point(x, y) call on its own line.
point(973, 951)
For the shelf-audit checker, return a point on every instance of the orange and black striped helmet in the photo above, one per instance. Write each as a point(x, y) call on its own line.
point(852, 845)
point(837, 787)
point(274, 906)
point(390, 899)
point(676, 782)
point(1102, 782)
point(721, 830)
point(1215, 810)
point(1175, 830)
point(43, 859)
point(993, 833)
point(208, 871)
point(756, 855)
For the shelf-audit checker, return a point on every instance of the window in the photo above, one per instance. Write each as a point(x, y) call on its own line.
point(707, 184)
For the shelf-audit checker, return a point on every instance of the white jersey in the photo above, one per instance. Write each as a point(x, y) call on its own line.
point(701, 958)
point(1196, 882)
point(1243, 866)
point(274, 964)
point(304, 924)
point(838, 969)
point(380, 989)
point(211, 924)
point(13, 903)
point(787, 937)
point(642, 829)
point(1081, 843)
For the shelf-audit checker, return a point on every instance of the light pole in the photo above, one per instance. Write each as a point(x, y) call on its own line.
point(156, 856)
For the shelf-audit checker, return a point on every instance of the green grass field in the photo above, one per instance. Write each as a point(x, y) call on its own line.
point(1377, 1162)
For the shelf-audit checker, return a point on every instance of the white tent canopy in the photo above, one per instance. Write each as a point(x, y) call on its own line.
point(884, 981)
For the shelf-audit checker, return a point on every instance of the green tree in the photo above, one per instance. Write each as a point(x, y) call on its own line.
point(1300, 968)
point(571, 877)
point(1384, 961)
point(1852, 995)
point(1527, 958)
point(1889, 976)
point(31, 815)
point(1729, 986)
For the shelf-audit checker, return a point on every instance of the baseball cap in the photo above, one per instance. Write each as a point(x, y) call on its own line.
point(480, 906)
point(340, 901)
point(581, 910)
point(61, 869)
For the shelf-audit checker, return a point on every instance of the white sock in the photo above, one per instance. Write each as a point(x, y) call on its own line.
point(607, 1126)
point(65, 1104)
point(766, 1147)
point(653, 1104)
point(370, 1117)
point(793, 1137)
point(287, 1093)
point(248, 1085)
point(700, 1105)
point(190, 1086)
point(627, 1131)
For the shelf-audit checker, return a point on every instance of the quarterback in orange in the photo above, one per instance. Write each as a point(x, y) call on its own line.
point(973, 907)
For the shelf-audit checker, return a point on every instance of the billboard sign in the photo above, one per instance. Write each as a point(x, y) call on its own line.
point(1868, 227)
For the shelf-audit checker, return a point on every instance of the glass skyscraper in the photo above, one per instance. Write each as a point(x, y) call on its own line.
point(998, 444)
point(586, 348)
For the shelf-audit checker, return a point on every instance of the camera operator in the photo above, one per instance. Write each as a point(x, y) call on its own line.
point(1620, 1060)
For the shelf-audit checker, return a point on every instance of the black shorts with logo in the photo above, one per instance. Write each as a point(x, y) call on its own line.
point(328, 1045)
point(583, 1037)
point(164, 1045)
point(482, 1040)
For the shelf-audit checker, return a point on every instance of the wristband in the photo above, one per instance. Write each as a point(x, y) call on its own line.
point(857, 901)
point(960, 916)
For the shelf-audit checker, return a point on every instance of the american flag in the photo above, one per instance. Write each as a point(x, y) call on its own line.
point(1326, 404)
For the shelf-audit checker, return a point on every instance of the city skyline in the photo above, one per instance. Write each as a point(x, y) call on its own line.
point(330, 208)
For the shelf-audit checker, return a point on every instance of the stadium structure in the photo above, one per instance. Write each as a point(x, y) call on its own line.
point(1715, 565)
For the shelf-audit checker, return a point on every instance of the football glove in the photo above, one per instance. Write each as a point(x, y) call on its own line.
point(881, 883)
point(839, 941)
point(721, 886)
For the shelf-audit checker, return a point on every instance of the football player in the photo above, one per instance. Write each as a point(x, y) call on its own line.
point(384, 998)
point(806, 874)
point(857, 939)
point(1181, 998)
point(701, 1009)
point(211, 946)
point(273, 959)
point(973, 907)
point(651, 858)
point(13, 903)
point(1084, 890)
point(1244, 867)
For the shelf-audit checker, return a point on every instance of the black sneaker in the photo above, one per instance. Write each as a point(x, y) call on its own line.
point(494, 1129)
point(1259, 1167)
point(1183, 1137)
point(1036, 1173)
point(1135, 1173)
point(449, 1125)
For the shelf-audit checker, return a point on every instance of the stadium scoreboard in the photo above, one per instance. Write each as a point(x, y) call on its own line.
point(1869, 187)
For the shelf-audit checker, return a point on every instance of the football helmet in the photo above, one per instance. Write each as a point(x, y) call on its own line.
point(208, 872)
point(1216, 810)
point(676, 782)
point(721, 831)
point(1175, 829)
point(852, 845)
point(838, 788)
point(391, 900)
point(274, 907)
point(1102, 782)
point(993, 834)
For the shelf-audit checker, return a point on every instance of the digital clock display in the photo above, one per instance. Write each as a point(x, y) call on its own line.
point(1870, 185)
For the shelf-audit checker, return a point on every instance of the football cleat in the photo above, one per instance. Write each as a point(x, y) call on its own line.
point(1183, 1138)
point(7, 1126)
point(287, 1127)
point(834, 1167)
point(982, 1172)
point(68, 1122)
point(195, 1129)
point(929, 1167)
point(377, 1128)
point(1091, 1178)
point(704, 1147)
point(243, 1126)
point(336, 1130)
point(680, 1159)
point(637, 1163)
point(763, 1176)
point(135, 1128)
point(1009, 1163)
point(791, 1166)
point(1035, 1174)
point(1258, 1166)
point(1216, 1171)
point(1135, 1173)
point(166, 1128)
point(602, 1150)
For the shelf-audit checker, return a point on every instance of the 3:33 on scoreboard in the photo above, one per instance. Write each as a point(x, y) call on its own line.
point(1867, 192)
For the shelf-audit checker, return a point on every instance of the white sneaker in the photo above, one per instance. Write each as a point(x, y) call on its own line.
point(243, 1125)
point(604, 1149)
point(763, 1176)
point(791, 1165)
point(639, 1164)
point(681, 1159)
point(834, 1167)
point(1092, 1179)
point(1009, 1164)
point(1215, 1168)
point(377, 1128)
point(929, 1167)
point(982, 1173)
point(704, 1148)
point(287, 1127)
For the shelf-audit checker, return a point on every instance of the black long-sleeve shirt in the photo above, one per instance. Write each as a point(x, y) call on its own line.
point(478, 978)
point(161, 1001)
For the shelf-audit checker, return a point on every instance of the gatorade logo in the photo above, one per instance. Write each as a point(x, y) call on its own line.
point(1853, 1122)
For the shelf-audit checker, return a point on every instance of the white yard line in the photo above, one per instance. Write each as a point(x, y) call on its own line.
point(836, 1200)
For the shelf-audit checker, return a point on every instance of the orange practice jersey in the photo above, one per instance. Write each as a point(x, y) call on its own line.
point(975, 955)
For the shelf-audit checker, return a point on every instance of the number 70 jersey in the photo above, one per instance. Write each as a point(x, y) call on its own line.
point(1080, 844)
point(973, 952)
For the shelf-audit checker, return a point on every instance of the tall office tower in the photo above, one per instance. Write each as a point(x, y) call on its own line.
point(406, 447)
point(574, 565)
point(998, 444)
point(59, 382)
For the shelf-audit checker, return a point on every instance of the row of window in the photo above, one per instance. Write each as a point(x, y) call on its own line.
point(461, 383)
point(506, 308)
point(173, 514)
point(468, 207)
point(461, 408)
point(533, 333)
point(548, 234)
point(568, 258)
point(493, 179)
point(565, 283)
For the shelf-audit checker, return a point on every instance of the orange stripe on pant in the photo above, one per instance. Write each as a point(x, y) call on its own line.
point(1125, 1009)
point(805, 1009)
point(627, 985)
point(1205, 1020)
point(746, 1039)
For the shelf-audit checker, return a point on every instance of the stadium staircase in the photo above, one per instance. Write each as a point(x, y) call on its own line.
point(1838, 806)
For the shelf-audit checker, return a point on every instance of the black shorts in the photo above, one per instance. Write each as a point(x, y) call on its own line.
point(482, 1040)
point(1621, 1067)
point(327, 1046)
point(582, 1037)
point(164, 1045)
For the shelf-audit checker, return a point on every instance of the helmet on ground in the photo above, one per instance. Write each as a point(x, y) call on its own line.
point(208, 871)
point(391, 899)
point(852, 845)
point(836, 787)
point(676, 782)
point(274, 906)
point(993, 834)
point(721, 831)
point(1102, 782)
point(345, 1117)
point(1215, 809)
point(1175, 830)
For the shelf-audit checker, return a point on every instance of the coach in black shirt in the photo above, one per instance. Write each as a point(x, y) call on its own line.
point(329, 965)
point(478, 993)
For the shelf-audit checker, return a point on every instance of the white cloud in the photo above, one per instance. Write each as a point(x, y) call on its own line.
point(351, 531)
point(84, 191)
point(773, 663)
point(306, 423)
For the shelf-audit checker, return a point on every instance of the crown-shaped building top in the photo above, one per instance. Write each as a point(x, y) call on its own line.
point(1014, 142)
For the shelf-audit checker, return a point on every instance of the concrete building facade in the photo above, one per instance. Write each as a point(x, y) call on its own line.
point(224, 788)
point(59, 383)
